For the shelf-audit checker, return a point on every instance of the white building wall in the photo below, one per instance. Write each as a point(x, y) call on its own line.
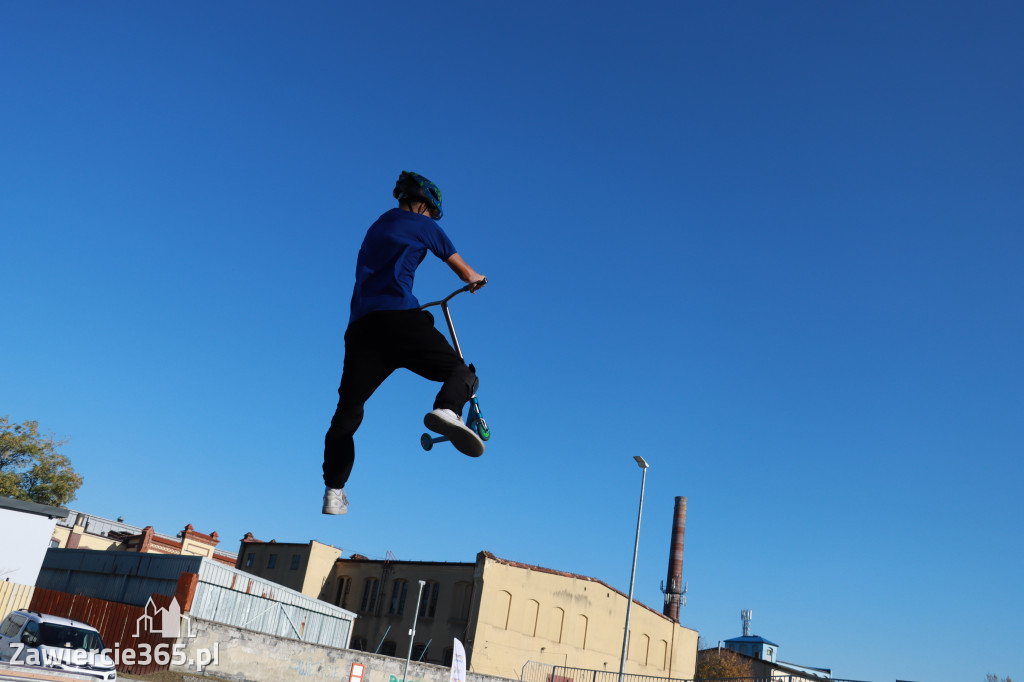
point(24, 538)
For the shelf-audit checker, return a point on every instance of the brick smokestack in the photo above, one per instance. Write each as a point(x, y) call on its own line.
point(674, 585)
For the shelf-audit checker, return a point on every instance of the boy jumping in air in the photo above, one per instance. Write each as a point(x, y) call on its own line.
point(387, 330)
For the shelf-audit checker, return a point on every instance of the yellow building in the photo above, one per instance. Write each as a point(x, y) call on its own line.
point(305, 568)
point(506, 613)
point(529, 613)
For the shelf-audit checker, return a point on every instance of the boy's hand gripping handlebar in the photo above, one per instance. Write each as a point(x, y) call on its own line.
point(448, 316)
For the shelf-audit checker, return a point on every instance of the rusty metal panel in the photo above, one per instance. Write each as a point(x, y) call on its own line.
point(117, 624)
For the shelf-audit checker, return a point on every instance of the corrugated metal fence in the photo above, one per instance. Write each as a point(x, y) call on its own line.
point(221, 594)
point(232, 597)
point(129, 578)
point(543, 672)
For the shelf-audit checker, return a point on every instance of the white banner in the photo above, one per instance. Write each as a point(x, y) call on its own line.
point(458, 663)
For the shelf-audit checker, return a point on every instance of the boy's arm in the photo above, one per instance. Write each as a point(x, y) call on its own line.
point(466, 273)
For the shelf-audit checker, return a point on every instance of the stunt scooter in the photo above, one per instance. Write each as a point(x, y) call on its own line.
point(475, 419)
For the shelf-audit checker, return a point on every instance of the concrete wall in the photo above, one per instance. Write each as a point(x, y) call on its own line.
point(255, 657)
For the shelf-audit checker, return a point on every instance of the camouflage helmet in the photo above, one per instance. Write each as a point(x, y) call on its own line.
point(415, 187)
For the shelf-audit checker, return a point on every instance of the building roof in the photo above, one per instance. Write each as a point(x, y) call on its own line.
point(751, 639)
point(33, 508)
point(575, 576)
point(121, 531)
point(785, 667)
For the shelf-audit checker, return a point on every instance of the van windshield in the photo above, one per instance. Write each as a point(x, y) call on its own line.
point(69, 637)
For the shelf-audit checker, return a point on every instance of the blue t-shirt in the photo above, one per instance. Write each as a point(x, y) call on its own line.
point(393, 248)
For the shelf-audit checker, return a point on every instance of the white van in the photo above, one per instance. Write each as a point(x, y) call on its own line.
point(30, 638)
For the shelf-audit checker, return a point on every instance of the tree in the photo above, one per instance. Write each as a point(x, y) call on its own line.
point(721, 664)
point(995, 678)
point(31, 468)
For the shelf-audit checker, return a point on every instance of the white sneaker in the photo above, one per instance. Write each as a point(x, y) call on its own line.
point(450, 425)
point(335, 501)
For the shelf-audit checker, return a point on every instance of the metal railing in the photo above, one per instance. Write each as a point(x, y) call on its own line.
point(535, 671)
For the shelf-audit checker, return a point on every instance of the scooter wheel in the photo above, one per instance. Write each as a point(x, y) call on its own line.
point(480, 426)
point(426, 441)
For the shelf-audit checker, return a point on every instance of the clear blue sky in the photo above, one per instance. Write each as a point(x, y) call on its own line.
point(774, 248)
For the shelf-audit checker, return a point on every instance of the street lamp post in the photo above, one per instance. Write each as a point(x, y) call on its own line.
point(632, 574)
point(412, 633)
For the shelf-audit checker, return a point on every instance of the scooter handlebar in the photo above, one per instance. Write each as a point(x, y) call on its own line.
point(452, 295)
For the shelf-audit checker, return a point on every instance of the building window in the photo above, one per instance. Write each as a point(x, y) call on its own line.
point(579, 638)
point(419, 651)
point(462, 599)
point(272, 561)
point(369, 595)
point(296, 560)
point(399, 591)
point(555, 625)
point(249, 560)
point(389, 648)
point(344, 584)
point(497, 615)
point(429, 603)
point(531, 613)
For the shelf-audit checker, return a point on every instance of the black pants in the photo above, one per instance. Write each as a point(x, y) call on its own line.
point(375, 346)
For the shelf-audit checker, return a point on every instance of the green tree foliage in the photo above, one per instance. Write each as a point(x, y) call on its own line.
point(995, 678)
point(721, 664)
point(31, 468)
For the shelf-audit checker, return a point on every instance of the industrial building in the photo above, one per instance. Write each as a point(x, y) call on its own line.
point(506, 613)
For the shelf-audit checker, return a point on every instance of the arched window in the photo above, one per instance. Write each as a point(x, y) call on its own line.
point(428, 603)
point(530, 611)
point(419, 652)
point(579, 634)
point(344, 585)
point(462, 601)
point(399, 591)
point(498, 616)
point(555, 626)
point(369, 595)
